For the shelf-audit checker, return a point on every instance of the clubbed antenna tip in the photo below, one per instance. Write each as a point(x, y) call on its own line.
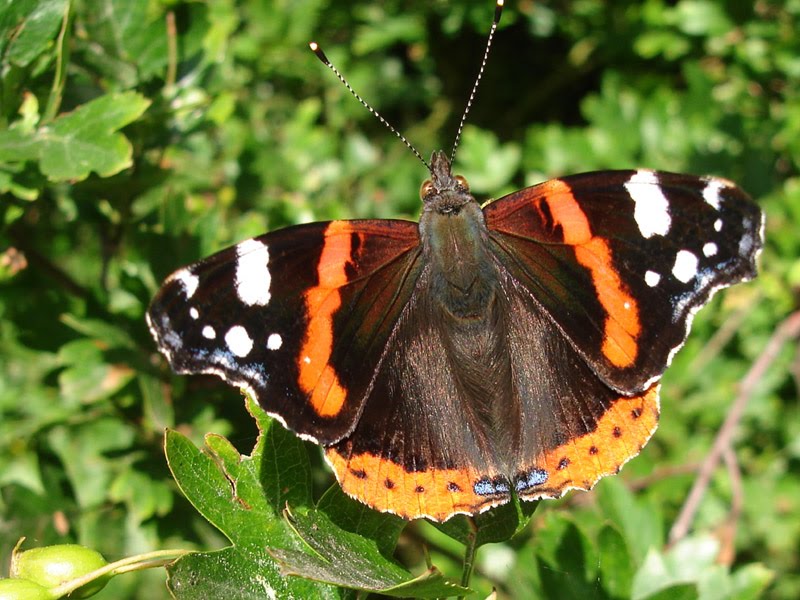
point(315, 48)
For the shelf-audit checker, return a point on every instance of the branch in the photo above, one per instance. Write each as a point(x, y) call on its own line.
point(789, 329)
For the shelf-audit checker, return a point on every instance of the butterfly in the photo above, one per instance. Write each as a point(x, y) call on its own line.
point(481, 354)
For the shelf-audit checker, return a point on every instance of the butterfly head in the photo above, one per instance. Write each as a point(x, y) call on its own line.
point(444, 192)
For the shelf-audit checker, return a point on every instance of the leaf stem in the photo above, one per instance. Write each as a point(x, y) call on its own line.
point(470, 550)
point(148, 560)
point(60, 77)
point(172, 52)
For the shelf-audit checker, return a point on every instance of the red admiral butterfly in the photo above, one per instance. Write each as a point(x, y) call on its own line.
point(446, 365)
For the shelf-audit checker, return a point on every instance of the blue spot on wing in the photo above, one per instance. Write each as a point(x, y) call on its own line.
point(532, 478)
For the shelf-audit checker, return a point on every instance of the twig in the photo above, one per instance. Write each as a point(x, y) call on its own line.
point(727, 532)
point(789, 329)
point(172, 52)
point(60, 77)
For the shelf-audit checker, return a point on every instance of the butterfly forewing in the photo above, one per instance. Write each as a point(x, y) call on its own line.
point(620, 260)
point(299, 317)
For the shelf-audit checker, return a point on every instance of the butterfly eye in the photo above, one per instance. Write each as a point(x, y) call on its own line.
point(426, 189)
point(462, 182)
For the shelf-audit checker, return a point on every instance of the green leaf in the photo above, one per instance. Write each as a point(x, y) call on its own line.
point(80, 142)
point(639, 523)
point(751, 581)
point(486, 165)
point(87, 377)
point(247, 573)
point(567, 560)
point(82, 450)
point(242, 496)
point(383, 528)
point(616, 563)
point(702, 17)
point(27, 28)
point(496, 525)
point(129, 40)
point(684, 563)
point(349, 560)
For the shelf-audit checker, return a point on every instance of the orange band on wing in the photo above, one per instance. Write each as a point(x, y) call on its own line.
point(620, 435)
point(622, 326)
point(316, 376)
point(388, 487)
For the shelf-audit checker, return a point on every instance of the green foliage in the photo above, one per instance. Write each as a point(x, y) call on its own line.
point(136, 137)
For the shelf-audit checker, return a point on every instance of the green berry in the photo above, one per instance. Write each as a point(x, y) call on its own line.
point(51, 566)
point(22, 589)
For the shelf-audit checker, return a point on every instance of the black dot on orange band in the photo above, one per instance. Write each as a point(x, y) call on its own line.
point(636, 413)
point(617, 432)
point(593, 450)
point(389, 484)
point(563, 464)
point(453, 487)
point(419, 489)
point(359, 473)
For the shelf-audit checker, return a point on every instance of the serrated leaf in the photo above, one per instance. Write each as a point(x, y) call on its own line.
point(349, 560)
point(242, 496)
point(81, 142)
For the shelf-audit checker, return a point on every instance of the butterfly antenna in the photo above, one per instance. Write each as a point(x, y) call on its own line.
point(498, 10)
point(321, 55)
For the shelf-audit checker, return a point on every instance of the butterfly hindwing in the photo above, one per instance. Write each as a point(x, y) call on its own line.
point(458, 428)
point(299, 317)
point(620, 260)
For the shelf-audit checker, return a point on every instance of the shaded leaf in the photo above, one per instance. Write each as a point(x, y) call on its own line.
point(496, 525)
point(349, 560)
point(383, 528)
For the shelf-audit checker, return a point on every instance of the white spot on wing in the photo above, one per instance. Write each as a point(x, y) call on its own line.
point(711, 192)
point(188, 280)
point(208, 332)
point(718, 225)
point(652, 278)
point(710, 249)
point(194, 313)
point(252, 273)
point(238, 341)
point(652, 207)
point(274, 341)
point(685, 267)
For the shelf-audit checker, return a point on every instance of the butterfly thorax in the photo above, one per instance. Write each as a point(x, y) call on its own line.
point(455, 242)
